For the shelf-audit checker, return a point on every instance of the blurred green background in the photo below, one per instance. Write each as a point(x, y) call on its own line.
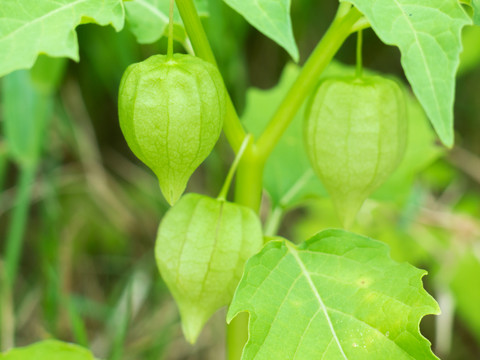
point(87, 271)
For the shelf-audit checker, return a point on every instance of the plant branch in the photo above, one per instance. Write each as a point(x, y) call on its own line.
point(226, 186)
point(305, 83)
point(232, 126)
point(248, 192)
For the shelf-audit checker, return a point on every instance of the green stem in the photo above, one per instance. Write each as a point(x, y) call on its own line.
point(232, 126)
point(248, 192)
point(305, 83)
point(17, 224)
point(3, 167)
point(233, 167)
point(14, 243)
point(273, 222)
point(248, 185)
point(248, 189)
point(359, 69)
point(237, 336)
point(170, 31)
point(6, 313)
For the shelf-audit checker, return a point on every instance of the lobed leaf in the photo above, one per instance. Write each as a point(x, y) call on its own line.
point(337, 296)
point(32, 27)
point(48, 350)
point(270, 17)
point(429, 37)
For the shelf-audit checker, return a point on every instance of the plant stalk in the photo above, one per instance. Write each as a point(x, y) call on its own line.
point(232, 126)
point(305, 83)
point(248, 189)
point(226, 185)
point(248, 192)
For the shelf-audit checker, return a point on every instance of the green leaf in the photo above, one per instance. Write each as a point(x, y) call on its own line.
point(475, 7)
point(201, 249)
point(31, 27)
point(337, 296)
point(26, 112)
point(429, 37)
point(272, 18)
point(148, 19)
point(288, 176)
point(48, 350)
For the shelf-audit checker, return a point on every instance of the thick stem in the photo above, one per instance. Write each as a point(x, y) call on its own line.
point(248, 185)
point(305, 83)
point(248, 192)
point(237, 336)
point(232, 126)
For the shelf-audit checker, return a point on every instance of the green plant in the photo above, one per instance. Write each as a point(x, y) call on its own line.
point(337, 295)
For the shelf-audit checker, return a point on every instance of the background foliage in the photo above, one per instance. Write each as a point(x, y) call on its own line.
point(87, 272)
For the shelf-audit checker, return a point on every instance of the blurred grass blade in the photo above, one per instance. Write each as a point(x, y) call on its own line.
point(76, 322)
point(3, 166)
point(123, 313)
point(26, 111)
point(17, 224)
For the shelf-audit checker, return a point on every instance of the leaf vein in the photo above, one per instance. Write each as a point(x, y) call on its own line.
point(306, 274)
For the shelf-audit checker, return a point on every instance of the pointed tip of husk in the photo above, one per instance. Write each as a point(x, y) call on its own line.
point(172, 192)
point(347, 210)
point(192, 325)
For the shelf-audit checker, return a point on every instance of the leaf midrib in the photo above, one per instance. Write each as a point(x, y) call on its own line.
point(422, 52)
point(306, 274)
